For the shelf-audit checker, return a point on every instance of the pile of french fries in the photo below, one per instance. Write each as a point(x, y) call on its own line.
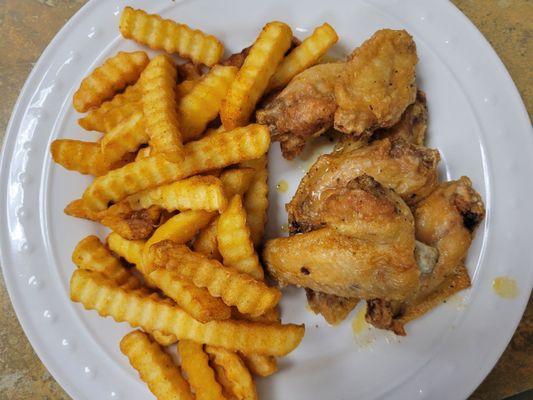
point(181, 181)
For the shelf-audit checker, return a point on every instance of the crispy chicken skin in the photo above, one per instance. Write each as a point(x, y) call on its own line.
point(408, 169)
point(377, 84)
point(333, 308)
point(303, 109)
point(366, 246)
point(446, 220)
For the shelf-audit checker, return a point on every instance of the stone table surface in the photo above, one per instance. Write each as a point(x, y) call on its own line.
point(27, 26)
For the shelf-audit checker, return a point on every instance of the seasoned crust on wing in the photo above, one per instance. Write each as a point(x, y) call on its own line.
point(333, 308)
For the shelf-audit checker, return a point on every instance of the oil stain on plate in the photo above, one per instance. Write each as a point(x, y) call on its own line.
point(505, 287)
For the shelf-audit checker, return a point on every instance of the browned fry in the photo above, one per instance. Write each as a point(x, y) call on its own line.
point(129, 223)
point(112, 76)
point(189, 71)
point(206, 242)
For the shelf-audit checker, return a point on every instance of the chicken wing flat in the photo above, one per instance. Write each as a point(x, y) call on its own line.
point(333, 308)
point(377, 84)
point(446, 220)
point(408, 169)
point(365, 247)
point(303, 109)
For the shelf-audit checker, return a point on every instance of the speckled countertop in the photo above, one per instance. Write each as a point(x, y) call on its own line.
point(27, 26)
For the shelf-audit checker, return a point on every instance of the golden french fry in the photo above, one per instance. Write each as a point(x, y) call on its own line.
point(234, 242)
point(158, 82)
point(252, 79)
point(256, 199)
point(214, 131)
point(236, 181)
point(184, 88)
point(195, 193)
point(194, 300)
point(165, 34)
point(202, 104)
point(259, 364)
point(131, 224)
point(83, 157)
point(112, 76)
point(95, 119)
point(130, 250)
point(96, 292)
point(304, 56)
point(155, 367)
point(118, 114)
point(144, 152)
point(224, 382)
point(181, 228)
point(249, 295)
point(216, 151)
point(124, 138)
point(240, 379)
point(206, 242)
point(190, 71)
point(201, 377)
point(91, 254)
point(77, 208)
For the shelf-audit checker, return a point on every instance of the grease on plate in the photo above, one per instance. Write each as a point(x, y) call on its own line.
point(505, 287)
point(282, 186)
point(284, 228)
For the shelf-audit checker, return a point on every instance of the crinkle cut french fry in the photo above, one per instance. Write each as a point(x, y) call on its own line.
point(144, 152)
point(206, 242)
point(194, 300)
point(131, 224)
point(234, 243)
point(184, 88)
point(195, 193)
point(190, 71)
point(130, 250)
point(83, 157)
point(216, 151)
point(155, 367)
point(158, 82)
point(112, 76)
point(91, 254)
point(252, 78)
point(77, 208)
point(259, 364)
point(124, 138)
point(96, 292)
point(180, 228)
point(95, 119)
point(202, 104)
point(201, 377)
point(236, 181)
point(249, 295)
point(164, 34)
point(256, 199)
point(241, 382)
point(222, 379)
point(304, 56)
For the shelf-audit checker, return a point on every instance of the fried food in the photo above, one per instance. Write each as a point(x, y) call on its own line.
point(123, 139)
point(83, 157)
point(445, 220)
point(249, 295)
point(129, 223)
point(304, 109)
point(201, 377)
point(215, 151)
point(234, 242)
point(363, 245)
point(304, 56)
point(206, 242)
point(158, 83)
point(112, 76)
point(164, 34)
point(155, 367)
point(239, 378)
point(254, 75)
point(377, 84)
point(194, 193)
point(202, 104)
point(98, 293)
point(255, 199)
point(333, 308)
point(130, 250)
point(260, 365)
point(95, 120)
point(411, 171)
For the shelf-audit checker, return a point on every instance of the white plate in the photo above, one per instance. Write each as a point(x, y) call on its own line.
point(477, 121)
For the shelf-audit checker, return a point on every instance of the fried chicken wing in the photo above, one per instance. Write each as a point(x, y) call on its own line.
point(446, 220)
point(377, 84)
point(408, 169)
point(362, 244)
point(333, 308)
point(303, 109)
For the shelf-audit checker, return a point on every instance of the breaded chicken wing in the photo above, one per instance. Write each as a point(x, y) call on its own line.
point(377, 84)
point(333, 308)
